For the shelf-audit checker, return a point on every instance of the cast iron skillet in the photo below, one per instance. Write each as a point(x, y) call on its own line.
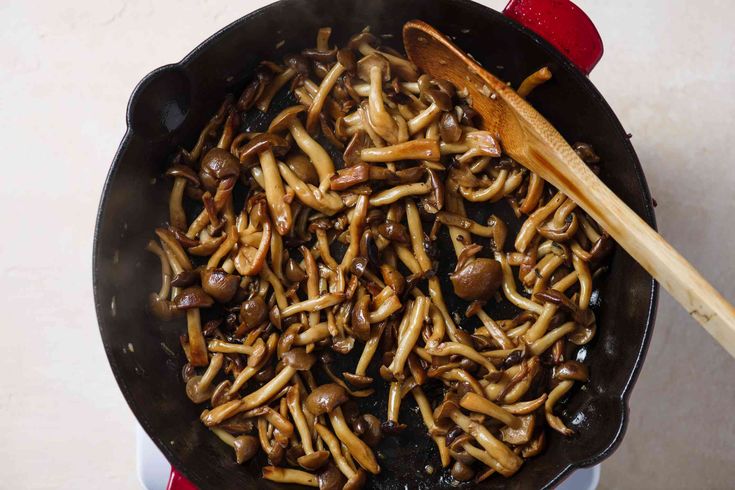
point(167, 110)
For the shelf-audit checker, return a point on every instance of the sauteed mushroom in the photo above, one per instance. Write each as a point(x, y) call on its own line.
point(294, 257)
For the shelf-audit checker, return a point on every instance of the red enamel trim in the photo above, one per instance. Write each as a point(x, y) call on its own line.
point(177, 481)
point(562, 24)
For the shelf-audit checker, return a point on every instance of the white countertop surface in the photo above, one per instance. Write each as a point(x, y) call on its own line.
point(68, 69)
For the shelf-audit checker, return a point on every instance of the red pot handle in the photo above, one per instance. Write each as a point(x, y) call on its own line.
point(562, 24)
point(177, 481)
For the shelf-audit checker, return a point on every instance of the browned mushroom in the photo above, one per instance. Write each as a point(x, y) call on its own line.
point(325, 398)
point(199, 388)
point(419, 149)
point(477, 279)
point(219, 284)
point(375, 69)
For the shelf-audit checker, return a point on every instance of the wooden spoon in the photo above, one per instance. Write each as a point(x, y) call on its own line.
point(531, 140)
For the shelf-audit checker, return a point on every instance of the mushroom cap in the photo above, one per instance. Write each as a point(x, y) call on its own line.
point(461, 471)
point(193, 297)
point(523, 433)
point(161, 308)
point(298, 359)
point(330, 478)
point(445, 409)
point(357, 481)
point(449, 128)
point(221, 394)
point(185, 278)
point(238, 424)
point(362, 38)
point(185, 172)
point(483, 142)
point(253, 311)
point(442, 100)
point(246, 447)
point(360, 321)
point(479, 279)
point(284, 118)
point(297, 62)
point(434, 201)
point(220, 163)
point(324, 56)
point(326, 398)
point(197, 393)
point(294, 272)
point(313, 461)
point(366, 64)
point(346, 58)
point(392, 230)
point(571, 370)
point(259, 352)
point(219, 284)
point(262, 142)
point(303, 168)
point(367, 426)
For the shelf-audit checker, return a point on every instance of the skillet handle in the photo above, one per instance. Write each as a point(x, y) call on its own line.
point(177, 481)
point(564, 25)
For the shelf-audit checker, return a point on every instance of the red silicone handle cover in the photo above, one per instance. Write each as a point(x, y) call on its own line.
point(177, 481)
point(562, 24)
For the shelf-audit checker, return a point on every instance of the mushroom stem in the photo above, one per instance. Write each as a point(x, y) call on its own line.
point(254, 399)
point(528, 228)
point(394, 401)
point(417, 243)
point(555, 422)
point(386, 309)
point(395, 194)
point(318, 155)
point(585, 281)
point(318, 100)
point(360, 451)
point(419, 149)
point(197, 345)
point(274, 192)
point(293, 399)
point(426, 415)
point(509, 287)
point(217, 345)
point(272, 89)
point(327, 202)
point(314, 304)
point(312, 283)
point(497, 450)
point(410, 336)
point(177, 215)
point(334, 447)
point(381, 121)
point(533, 195)
point(477, 403)
point(494, 330)
point(357, 223)
point(314, 334)
point(455, 348)
point(290, 475)
point(423, 119)
point(533, 80)
point(371, 346)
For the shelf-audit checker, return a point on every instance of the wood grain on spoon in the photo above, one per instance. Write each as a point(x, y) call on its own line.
point(532, 141)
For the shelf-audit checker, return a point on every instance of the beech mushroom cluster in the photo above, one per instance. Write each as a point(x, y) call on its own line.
point(294, 256)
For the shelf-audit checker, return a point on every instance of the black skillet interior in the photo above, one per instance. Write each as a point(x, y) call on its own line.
point(167, 110)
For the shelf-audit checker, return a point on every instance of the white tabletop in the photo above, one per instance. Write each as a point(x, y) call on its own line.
point(67, 71)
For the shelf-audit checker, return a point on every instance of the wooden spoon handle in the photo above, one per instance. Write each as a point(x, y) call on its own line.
point(704, 303)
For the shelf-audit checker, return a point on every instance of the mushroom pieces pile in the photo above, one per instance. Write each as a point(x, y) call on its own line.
point(294, 258)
